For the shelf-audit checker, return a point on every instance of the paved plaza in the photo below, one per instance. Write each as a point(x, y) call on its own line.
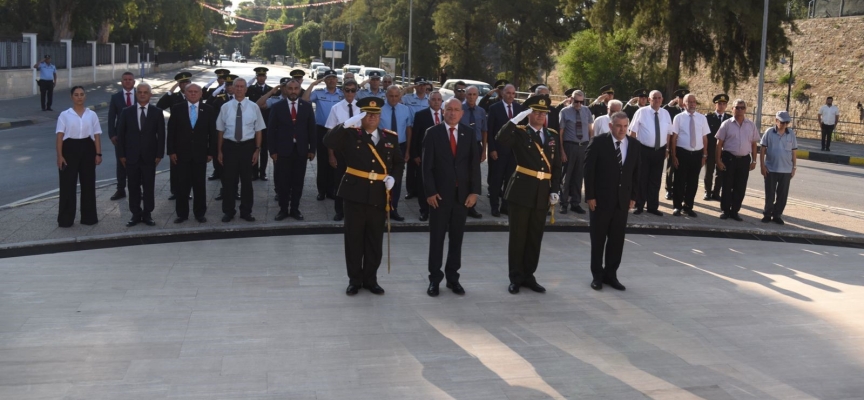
point(267, 318)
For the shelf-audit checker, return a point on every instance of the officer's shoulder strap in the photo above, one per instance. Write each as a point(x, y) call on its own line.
point(552, 130)
point(522, 127)
point(389, 132)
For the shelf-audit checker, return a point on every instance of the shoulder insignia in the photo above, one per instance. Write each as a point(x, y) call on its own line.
point(390, 132)
point(522, 127)
point(552, 130)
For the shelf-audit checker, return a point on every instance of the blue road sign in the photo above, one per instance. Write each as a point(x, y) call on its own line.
point(328, 45)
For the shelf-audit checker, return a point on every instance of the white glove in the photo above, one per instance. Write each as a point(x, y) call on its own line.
point(209, 83)
point(521, 116)
point(553, 198)
point(389, 181)
point(354, 122)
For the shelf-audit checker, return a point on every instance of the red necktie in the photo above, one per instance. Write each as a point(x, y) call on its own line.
point(437, 121)
point(510, 111)
point(453, 141)
point(293, 112)
point(128, 99)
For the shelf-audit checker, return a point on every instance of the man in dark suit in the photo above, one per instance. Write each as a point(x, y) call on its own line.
point(371, 154)
point(714, 176)
point(215, 98)
point(611, 172)
point(533, 188)
point(502, 164)
point(254, 93)
point(167, 101)
point(423, 120)
point(141, 143)
point(451, 176)
point(191, 145)
point(291, 132)
point(120, 100)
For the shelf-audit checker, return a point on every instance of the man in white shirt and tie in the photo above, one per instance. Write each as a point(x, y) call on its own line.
point(689, 150)
point(339, 113)
point(651, 126)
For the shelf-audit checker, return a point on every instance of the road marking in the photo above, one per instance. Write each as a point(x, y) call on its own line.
point(42, 196)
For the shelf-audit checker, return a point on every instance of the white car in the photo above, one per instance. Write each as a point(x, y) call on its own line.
point(319, 71)
point(314, 65)
point(448, 86)
point(362, 75)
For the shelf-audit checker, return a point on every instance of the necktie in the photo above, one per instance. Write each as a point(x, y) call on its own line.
point(437, 121)
point(453, 141)
point(693, 131)
point(509, 111)
point(193, 115)
point(238, 124)
point(471, 117)
point(374, 138)
point(618, 152)
point(293, 112)
point(579, 126)
point(142, 119)
point(350, 110)
point(393, 119)
point(128, 99)
point(656, 131)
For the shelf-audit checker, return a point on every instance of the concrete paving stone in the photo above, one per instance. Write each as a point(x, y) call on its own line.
point(143, 391)
point(43, 391)
point(60, 372)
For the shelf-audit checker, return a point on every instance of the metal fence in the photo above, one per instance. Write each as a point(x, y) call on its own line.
point(103, 54)
point(14, 54)
point(56, 50)
point(134, 55)
point(119, 54)
point(81, 55)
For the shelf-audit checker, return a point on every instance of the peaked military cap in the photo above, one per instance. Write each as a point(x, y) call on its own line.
point(680, 92)
point(640, 93)
point(501, 83)
point(370, 105)
point(222, 72)
point(183, 77)
point(229, 79)
point(374, 75)
point(328, 73)
point(261, 71)
point(569, 92)
point(534, 87)
point(420, 79)
point(607, 89)
point(538, 103)
point(285, 80)
point(721, 98)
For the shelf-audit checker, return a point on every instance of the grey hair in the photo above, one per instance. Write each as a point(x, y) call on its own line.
point(575, 94)
point(618, 116)
point(539, 88)
point(689, 95)
point(472, 87)
point(509, 85)
point(739, 101)
point(241, 79)
point(149, 88)
point(616, 102)
point(193, 84)
point(394, 87)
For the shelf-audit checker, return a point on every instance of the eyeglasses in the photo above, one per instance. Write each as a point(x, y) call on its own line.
point(460, 90)
point(578, 102)
point(782, 123)
point(349, 90)
point(740, 107)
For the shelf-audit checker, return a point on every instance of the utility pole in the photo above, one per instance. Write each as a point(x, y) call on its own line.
point(410, 35)
point(758, 117)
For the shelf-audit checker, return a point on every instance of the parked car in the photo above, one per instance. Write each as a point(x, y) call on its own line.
point(339, 75)
point(361, 75)
point(241, 59)
point(355, 69)
point(447, 88)
point(319, 71)
point(314, 65)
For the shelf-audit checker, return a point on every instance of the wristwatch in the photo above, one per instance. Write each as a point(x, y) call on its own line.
point(99, 154)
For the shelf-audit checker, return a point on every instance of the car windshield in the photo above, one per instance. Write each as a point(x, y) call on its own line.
point(354, 70)
point(484, 89)
point(322, 69)
point(340, 72)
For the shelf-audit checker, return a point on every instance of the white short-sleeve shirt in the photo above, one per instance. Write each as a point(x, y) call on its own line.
point(681, 129)
point(829, 114)
point(74, 127)
point(643, 125)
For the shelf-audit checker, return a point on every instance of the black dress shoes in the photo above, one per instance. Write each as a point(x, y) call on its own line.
point(352, 290)
point(535, 287)
point(264, 177)
point(724, 216)
point(119, 194)
point(148, 221)
point(213, 177)
point(375, 289)
point(563, 210)
point(455, 287)
point(578, 209)
point(172, 197)
point(219, 196)
point(409, 196)
point(690, 213)
point(496, 213)
point(474, 214)
point(320, 197)
point(779, 220)
point(596, 284)
point(281, 215)
point(432, 291)
point(638, 211)
point(513, 288)
point(201, 219)
point(394, 215)
point(248, 218)
point(424, 217)
point(132, 222)
point(227, 218)
point(736, 217)
point(668, 195)
point(237, 196)
point(179, 220)
point(655, 212)
point(296, 214)
point(338, 217)
point(676, 212)
point(706, 197)
point(614, 284)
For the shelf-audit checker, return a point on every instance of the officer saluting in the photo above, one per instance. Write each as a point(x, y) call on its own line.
point(170, 98)
point(221, 73)
point(488, 100)
point(641, 98)
point(598, 107)
point(532, 188)
point(370, 155)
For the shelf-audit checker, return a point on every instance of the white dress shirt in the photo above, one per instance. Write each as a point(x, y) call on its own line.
point(623, 146)
point(338, 113)
point(681, 129)
point(138, 113)
point(829, 114)
point(601, 125)
point(643, 125)
point(74, 127)
point(253, 121)
point(439, 113)
point(455, 131)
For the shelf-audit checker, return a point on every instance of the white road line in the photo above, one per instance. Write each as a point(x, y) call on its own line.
point(42, 196)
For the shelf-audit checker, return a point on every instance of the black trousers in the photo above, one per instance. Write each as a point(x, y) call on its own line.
point(448, 219)
point(142, 183)
point(396, 192)
point(412, 174)
point(338, 174)
point(237, 158)
point(526, 235)
point(686, 178)
point(500, 171)
point(173, 177)
point(260, 169)
point(46, 93)
point(325, 171)
point(420, 189)
point(191, 177)
point(364, 235)
point(121, 171)
point(776, 187)
point(734, 182)
point(80, 155)
point(571, 188)
point(289, 171)
point(670, 176)
point(607, 239)
point(827, 132)
point(713, 180)
point(217, 169)
point(650, 172)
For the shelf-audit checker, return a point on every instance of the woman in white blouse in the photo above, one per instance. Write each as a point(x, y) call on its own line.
point(79, 151)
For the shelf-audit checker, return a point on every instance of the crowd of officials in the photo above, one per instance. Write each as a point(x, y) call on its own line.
point(540, 158)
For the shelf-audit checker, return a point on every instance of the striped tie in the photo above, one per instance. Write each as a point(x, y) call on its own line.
point(618, 152)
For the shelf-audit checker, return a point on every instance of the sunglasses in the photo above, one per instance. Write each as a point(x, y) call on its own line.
point(460, 90)
point(349, 90)
point(578, 102)
point(740, 107)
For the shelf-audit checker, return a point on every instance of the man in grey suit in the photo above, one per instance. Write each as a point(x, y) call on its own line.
point(120, 100)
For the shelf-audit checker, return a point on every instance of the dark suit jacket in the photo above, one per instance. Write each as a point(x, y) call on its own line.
point(524, 190)
point(605, 180)
point(168, 100)
point(423, 120)
point(254, 92)
point(188, 143)
point(442, 172)
point(281, 131)
point(353, 144)
point(497, 117)
point(115, 107)
point(714, 123)
point(142, 146)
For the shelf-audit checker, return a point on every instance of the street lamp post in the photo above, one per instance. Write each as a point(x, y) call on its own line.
point(410, 34)
point(758, 116)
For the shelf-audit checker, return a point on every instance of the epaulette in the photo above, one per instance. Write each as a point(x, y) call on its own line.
point(522, 127)
point(390, 132)
point(552, 130)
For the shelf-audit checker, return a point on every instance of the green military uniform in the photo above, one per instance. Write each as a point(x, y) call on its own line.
point(365, 194)
point(537, 176)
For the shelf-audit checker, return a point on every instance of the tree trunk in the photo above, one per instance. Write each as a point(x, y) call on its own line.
point(466, 58)
point(61, 18)
point(517, 63)
point(104, 32)
point(673, 66)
